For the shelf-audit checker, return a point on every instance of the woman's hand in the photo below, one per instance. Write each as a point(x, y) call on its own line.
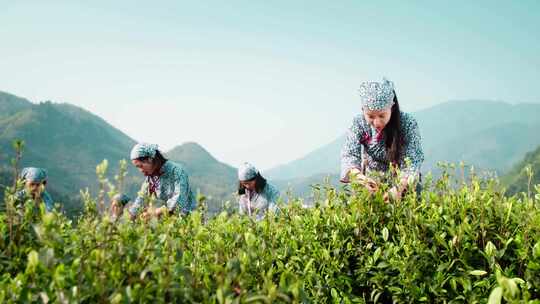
point(371, 185)
point(367, 182)
point(354, 172)
point(116, 209)
point(393, 194)
point(146, 215)
point(160, 211)
point(151, 212)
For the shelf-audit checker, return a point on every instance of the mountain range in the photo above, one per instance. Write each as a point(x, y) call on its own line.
point(517, 179)
point(489, 135)
point(69, 142)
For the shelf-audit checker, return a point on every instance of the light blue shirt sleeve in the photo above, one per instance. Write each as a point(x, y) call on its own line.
point(182, 196)
point(412, 150)
point(138, 204)
point(351, 153)
point(48, 201)
point(272, 195)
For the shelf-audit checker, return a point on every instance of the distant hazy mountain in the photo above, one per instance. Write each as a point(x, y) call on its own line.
point(305, 187)
point(323, 161)
point(66, 140)
point(11, 104)
point(517, 179)
point(69, 142)
point(212, 178)
point(497, 148)
point(487, 134)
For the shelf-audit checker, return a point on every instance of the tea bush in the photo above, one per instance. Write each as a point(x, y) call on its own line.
point(452, 244)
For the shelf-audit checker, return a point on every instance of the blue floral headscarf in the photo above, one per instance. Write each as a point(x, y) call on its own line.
point(35, 175)
point(247, 172)
point(377, 96)
point(143, 150)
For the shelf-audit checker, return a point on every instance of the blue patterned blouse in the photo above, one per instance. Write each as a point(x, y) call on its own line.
point(366, 151)
point(257, 204)
point(171, 187)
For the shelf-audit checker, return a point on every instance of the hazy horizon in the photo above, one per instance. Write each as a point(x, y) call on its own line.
point(262, 82)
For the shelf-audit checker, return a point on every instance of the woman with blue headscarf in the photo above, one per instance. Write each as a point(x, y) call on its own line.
point(380, 138)
point(35, 181)
point(165, 180)
point(257, 196)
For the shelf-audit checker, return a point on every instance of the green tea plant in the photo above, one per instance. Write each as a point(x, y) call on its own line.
point(459, 241)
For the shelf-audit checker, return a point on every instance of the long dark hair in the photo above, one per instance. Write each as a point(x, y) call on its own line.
point(260, 183)
point(158, 160)
point(393, 135)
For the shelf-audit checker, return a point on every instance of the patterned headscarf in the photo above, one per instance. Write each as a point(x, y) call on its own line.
point(143, 150)
point(35, 175)
point(247, 172)
point(377, 95)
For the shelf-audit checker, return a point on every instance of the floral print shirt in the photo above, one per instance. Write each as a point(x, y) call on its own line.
point(171, 186)
point(257, 204)
point(365, 150)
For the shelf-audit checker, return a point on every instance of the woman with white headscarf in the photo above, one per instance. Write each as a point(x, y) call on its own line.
point(165, 180)
point(257, 196)
point(382, 137)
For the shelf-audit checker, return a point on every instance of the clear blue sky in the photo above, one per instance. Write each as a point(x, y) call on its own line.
point(262, 81)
